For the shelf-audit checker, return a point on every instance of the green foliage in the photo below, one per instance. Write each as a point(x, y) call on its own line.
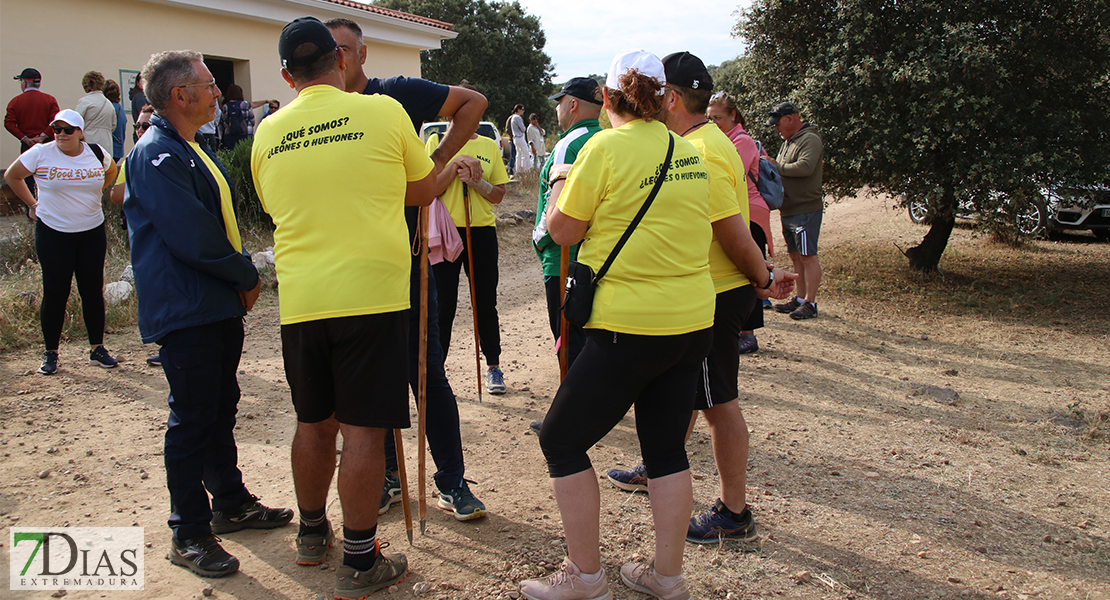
point(943, 100)
point(754, 100)
point(248, 208)
point(499, 50)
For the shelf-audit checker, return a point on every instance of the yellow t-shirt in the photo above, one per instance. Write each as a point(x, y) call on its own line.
point(493, 171)
point(121, 176)
point(227, 209)
point(659, 284)
point(331, 169)
point(728, 196)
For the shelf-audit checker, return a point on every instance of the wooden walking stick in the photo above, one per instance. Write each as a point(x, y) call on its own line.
point(404, 482)
point(422, 368)
point(470, 278)
point(564, 325)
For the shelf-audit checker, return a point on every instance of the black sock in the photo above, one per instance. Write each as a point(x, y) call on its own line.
point(313, 522)
point(359, 548)
point(736, 516)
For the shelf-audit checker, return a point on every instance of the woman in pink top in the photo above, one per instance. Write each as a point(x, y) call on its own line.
point(724, 112)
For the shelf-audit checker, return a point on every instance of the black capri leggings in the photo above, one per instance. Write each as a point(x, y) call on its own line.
point(485, 292)
point(62, 256)
point(657, 374)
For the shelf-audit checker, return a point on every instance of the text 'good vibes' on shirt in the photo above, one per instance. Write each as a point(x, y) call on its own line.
point(69, 186)
point(493, 170)
point(659, 284)
point(331, 169)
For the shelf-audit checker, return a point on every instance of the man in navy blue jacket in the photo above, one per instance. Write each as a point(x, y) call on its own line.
point(194, 283)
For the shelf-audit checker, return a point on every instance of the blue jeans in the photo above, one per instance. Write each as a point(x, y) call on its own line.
point(442, 421)
point(200, 454)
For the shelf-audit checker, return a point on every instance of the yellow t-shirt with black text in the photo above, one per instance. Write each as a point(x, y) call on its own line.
point(659, 284)
point(331, 169)
point(728, 196)
point(493, 170)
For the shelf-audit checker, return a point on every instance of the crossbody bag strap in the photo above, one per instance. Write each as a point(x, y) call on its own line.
point(643, 210)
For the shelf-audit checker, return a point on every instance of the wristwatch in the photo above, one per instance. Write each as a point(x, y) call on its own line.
point(770, 279)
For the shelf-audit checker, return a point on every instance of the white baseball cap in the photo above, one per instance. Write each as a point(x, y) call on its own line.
point(69, 117)
point(641, 60)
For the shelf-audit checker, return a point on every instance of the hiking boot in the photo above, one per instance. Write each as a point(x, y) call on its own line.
point(807, 310)
point(536, 426)
point(462, 502)
point(391, 492)
point(252, 514)
point(495, 381)
point(49, 363)
point(203, 556)
point(389, 569)
point(100, 358)
point(717, 524)
point(565, 584)
point(789, 306)
point(641, 578)
point(748, 343)
point(312, 548)
point(635, 480)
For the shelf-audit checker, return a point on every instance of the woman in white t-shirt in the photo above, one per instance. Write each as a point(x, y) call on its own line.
point(69, 230)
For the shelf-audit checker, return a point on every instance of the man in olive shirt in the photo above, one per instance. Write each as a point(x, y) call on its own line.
point(799, 163)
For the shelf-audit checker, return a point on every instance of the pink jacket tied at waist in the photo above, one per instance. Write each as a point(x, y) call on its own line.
point(444, 242)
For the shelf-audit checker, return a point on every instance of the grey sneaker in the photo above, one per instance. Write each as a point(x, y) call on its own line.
point(807, 310)
point(390, 569)
point(462, 502)
point(312, 549)
point(789, 306)
point(391, 492)
point(641, 577)
point(495, 382)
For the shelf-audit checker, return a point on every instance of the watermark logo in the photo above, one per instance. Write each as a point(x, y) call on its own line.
point(76, 558)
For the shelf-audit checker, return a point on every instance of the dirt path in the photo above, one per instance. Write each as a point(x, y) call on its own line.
point(865, 481)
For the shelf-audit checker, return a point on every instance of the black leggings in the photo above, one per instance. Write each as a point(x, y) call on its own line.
point(485, 292)
point(62, 256)
point(657, 374)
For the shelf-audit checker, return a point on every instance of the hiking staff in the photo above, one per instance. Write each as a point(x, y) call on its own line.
point(470, 278)
point(564, 325)
point(422, 368)
point(404, 482)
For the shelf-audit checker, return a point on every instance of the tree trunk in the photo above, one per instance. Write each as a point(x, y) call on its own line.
point(926, 255)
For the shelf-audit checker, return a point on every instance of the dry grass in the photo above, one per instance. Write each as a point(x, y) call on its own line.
point(1044, 283)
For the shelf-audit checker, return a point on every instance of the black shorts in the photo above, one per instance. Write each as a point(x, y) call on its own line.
point(353, 367)
point(721, 369)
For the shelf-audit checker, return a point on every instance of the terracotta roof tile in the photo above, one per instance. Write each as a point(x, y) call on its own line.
point(389, 12)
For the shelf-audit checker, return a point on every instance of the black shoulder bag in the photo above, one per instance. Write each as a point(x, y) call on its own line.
point(578, 302)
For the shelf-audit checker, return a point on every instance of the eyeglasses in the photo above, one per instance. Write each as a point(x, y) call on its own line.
point(211, 85)
point(140, 126)
point(69, 130)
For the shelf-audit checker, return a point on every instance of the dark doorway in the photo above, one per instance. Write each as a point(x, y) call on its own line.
point(222, 70)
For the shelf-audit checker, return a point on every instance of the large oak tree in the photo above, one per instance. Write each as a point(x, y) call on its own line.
point(944, 101)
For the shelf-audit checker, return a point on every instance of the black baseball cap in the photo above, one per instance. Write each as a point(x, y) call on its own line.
point(686, 70)
point(583, 88)
point(29, 74)
point(303, 31)
point(781, 111)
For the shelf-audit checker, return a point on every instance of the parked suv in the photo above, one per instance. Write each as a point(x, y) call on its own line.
point(1056, 209)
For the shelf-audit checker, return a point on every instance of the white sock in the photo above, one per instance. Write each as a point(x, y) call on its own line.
point(591, 578)
point(666, 581)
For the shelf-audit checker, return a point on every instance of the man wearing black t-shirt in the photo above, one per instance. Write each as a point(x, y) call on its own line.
point(425, 101)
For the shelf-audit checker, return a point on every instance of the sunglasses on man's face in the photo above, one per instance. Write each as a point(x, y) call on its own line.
point(58, 129)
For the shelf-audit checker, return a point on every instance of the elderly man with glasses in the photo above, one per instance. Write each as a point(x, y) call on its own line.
point(195, 283)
